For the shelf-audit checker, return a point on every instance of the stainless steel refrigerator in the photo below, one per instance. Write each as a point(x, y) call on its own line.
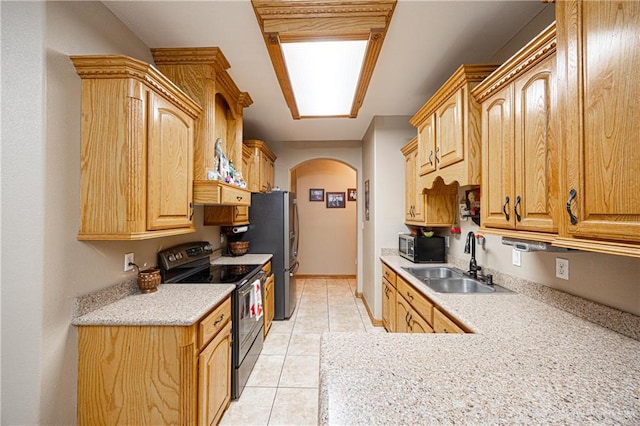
point(273, 228)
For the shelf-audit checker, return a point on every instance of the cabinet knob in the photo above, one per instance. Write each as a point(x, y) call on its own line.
point(504, 208)
point(515, 208)
point(409, 295)
point(239, 198)
point(572, 217)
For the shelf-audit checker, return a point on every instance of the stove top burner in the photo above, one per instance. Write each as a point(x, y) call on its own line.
point(221, 274)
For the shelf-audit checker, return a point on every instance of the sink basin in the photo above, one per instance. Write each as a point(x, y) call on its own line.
point(459, 285)
point(433, 272)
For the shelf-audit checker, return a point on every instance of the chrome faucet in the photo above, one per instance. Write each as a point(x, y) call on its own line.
point(470, 247)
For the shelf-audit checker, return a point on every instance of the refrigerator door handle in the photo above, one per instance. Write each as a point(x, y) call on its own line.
point(294, 269)
point(296, 226)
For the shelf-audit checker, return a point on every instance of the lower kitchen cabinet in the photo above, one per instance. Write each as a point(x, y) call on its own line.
point(156, 374)
point(269, 300)
point(388, 298)
point(408, 320)
point(443, 324)
point(407, 310)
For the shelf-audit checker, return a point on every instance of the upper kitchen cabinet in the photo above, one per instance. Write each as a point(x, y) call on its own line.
point(136, 176)
point(426, 207)
point(260, 161)
point(519, 148)
point(449, 130)
point(202, 74)
point(598, 56)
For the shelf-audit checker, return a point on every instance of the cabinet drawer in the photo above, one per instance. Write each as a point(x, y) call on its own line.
point(389, 274)
point(214, 322)
point(442, 323)
point(421, 304)
point(235, 196)
point(267, 268)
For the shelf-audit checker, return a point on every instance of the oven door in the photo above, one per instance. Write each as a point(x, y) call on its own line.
point(248, 327)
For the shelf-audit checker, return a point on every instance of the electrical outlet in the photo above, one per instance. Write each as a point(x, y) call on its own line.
point(515, 257)
point(562, 268)
point(128, 260)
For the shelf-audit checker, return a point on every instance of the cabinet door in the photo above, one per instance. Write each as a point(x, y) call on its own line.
point(409, 186)
point(269, 306)
point(388, 306)
point(403, 310)
point(598, 53)
point(442, 323)
point(497, 160)
point(536, 166)
point(427, 146)
point(214, 378)
point(417, 324)
point(170, 166)
point(418, 200)
point(450, 131)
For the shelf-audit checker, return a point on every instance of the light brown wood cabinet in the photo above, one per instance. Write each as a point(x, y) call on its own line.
point(269, 299)
point(407, 310)
point(519, 147)
point(443, 324)
point(430, 207)
point(202, 74)
point(226, 216)
point(448, 127)
point(388, 298)
point(136, 151)
point(598, 56)
point(156, 374)
point(260, 161)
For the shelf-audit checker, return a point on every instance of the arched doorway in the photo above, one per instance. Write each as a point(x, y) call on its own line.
point(328, 217)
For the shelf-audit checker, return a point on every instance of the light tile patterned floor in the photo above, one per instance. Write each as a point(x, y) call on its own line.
point(283, 387)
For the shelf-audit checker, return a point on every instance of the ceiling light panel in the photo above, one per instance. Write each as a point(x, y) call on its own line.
point(324, 75)
point(319, 78)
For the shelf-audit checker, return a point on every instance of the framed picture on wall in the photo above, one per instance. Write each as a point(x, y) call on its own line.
point(352, 194)
point(316, 194)
point(335, 200)
point(366, 199)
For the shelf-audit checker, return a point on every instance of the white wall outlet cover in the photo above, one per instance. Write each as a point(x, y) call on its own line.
point(129, 259)
point(562, 268)
point(515, 257)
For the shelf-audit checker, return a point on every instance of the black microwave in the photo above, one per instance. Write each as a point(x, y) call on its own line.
point(420, 249)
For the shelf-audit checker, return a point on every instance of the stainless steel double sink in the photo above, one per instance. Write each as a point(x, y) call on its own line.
point(451, 280)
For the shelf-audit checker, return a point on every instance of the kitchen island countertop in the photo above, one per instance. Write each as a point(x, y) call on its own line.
point(526, 363)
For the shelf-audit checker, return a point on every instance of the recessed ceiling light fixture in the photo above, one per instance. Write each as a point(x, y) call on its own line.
point(324, 52)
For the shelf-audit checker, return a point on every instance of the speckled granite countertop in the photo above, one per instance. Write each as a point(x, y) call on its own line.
point(172, 304)
point(528, 363)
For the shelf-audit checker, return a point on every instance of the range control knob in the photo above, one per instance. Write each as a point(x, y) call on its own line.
point(171, 258)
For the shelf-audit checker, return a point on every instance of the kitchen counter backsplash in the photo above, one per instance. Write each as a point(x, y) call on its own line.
point(614, 319)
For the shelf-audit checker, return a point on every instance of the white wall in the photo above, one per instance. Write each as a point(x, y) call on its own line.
point(383, 166)
point(45, 267)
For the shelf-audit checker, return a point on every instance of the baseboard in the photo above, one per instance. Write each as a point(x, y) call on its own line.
point(375, 322)
point(335, 277)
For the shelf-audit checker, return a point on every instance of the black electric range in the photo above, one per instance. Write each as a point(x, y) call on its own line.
point(190, 263)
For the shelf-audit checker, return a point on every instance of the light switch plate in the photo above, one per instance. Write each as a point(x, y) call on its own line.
point(515, 257)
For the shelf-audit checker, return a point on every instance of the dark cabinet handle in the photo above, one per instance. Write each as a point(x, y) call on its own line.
point(515, 208)
point(191, 214)
point(431, 157)
point(504, 208)
point(409, 295)
point(572, 217)
point(215, 324)
point(437, 152)
point(239, 198)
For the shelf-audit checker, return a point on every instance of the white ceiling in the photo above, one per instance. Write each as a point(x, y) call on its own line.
point(426, 42)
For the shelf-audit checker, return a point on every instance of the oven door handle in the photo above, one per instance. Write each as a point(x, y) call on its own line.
point(258, 276)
